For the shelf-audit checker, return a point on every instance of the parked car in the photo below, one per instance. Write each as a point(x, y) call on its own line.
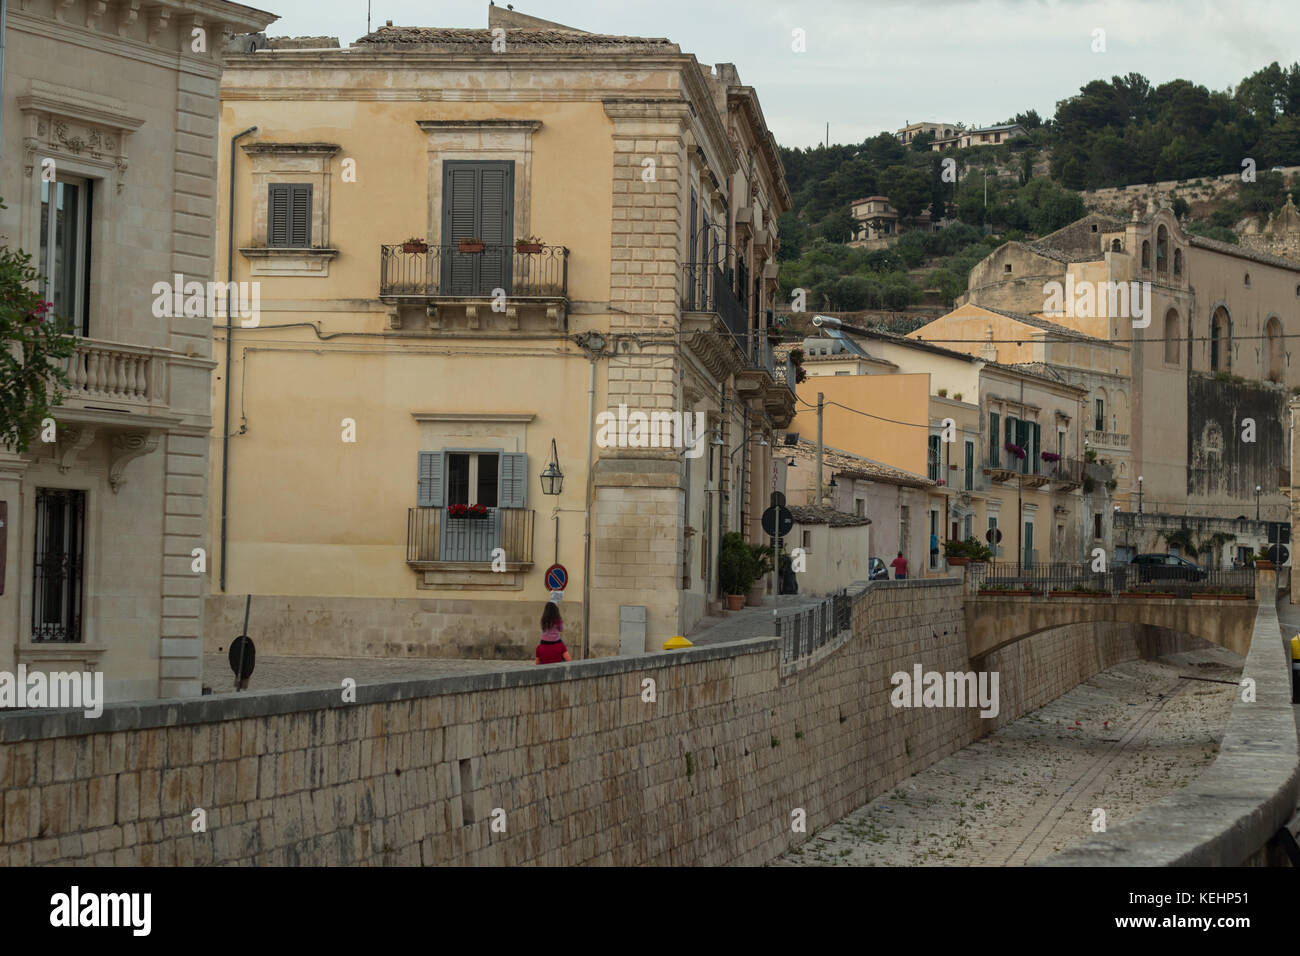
point(1167, 567)
point(879, 570)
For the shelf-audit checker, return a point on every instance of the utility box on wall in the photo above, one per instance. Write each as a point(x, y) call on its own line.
point(631, 629)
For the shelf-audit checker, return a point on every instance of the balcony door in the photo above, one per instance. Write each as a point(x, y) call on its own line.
point(64, 257)
point(491, 478)
point(477, 203)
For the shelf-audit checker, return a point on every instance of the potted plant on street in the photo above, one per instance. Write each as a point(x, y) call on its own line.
point(960, 553)
point(532, 244)
point(763, 555)
point(735, 569)
point(471, 245)
point(1262, 561)
point(415, 244)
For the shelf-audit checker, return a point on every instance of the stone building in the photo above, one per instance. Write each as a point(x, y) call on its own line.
point(1180, 341)
point(493, 254)
point(110, 137)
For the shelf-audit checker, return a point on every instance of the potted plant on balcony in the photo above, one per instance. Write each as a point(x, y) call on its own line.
point(1014, 449)
point(467, 511)
point(530, 245)
point(1050, 457)
point(471, 245)
point(415, 244)
point(735, 569)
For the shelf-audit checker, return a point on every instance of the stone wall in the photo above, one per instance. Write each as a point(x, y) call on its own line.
point(581, 769)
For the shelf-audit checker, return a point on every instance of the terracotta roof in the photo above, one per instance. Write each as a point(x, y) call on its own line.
point(852, 466)
point(1060, 255)
point(1040, 323)
point(1242, 252)
point(480, 41)
point(808, 514)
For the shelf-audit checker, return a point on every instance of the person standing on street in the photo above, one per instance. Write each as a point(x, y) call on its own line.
point(899, 564)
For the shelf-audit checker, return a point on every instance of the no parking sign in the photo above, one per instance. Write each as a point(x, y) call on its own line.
point(557, 578)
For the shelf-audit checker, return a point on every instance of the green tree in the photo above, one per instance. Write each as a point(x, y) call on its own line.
point(922, 142)
point(32, 349)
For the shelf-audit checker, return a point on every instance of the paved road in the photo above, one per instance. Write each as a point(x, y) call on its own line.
point(1116, 743)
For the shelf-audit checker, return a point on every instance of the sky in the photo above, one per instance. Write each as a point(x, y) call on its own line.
point(875, 65)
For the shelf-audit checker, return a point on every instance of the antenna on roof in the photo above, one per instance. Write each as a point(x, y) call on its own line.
point(367, 16)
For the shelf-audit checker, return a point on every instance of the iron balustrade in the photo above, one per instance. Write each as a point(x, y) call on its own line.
point(434, 534)
point(705, 289)
point(1071, 470)
point(810, 629)
point(1047, 577)
point(445, 271)
point(60, 535)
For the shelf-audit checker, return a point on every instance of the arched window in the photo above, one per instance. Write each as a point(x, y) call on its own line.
point(1220, 341)
point(1116, 246)
point(1178, 262)
point(1146, 254)
point(1172, 343)
point(1273, 338)
point(1162, 249)
point(1247, 280)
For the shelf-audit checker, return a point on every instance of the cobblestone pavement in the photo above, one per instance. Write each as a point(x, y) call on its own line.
point(750, 622)
point(304, 672)
point(1117, 742)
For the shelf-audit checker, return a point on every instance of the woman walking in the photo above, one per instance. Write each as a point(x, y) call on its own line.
point(551, 650)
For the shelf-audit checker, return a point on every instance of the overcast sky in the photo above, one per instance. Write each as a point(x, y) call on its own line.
point(875, 65)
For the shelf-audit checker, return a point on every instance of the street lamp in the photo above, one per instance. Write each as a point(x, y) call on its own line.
point(1257, 489)
point(1139, 494)
point(552, 478)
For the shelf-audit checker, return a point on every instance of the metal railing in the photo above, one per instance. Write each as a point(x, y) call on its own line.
point(448, 272)
point(806, 631)
point(1072, 470)
point(434, 534)
point(1045, 578)
point(706, 289)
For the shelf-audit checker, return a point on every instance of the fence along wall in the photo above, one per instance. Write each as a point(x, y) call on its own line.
point(584, 770)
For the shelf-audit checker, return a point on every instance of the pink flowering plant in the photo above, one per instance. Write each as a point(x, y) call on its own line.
point(33, 349)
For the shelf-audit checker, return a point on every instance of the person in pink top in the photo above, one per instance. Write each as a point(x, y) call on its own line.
point(551, 650)
point(899, 564)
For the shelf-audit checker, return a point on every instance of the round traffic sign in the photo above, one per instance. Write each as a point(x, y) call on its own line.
point(777, 522)
point(993, 535)
point(242, 656)
point(557, 578)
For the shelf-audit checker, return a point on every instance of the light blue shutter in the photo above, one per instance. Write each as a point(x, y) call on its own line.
point(430, 479)
point(513, 480)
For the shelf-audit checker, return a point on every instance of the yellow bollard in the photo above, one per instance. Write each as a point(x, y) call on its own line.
point(674, 643)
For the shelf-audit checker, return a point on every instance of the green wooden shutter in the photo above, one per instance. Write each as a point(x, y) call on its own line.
point(495, 212)
point(300, 215)
point(512, 480)
point(1022, 439)
point(430, 479)
point(994, 432)
point(1038, 447)
point(1010, 430)
point(459, 221)
point(478, 203)
point(277, 219)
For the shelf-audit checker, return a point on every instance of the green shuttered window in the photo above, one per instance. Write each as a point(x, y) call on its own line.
point(288, 221)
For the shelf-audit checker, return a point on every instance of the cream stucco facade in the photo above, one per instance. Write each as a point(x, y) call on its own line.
point(641, 171)
point(109, 133)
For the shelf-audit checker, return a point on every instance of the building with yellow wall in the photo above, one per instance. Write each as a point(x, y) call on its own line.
point(486, 256)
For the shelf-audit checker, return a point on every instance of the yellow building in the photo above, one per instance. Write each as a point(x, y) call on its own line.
point(487, 256)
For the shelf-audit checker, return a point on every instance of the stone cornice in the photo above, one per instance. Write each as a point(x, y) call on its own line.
point(311, 149)
point(521, 418)
point(452, 126)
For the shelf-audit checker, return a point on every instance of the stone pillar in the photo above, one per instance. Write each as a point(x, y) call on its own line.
point(638, 512)
point(12, 470)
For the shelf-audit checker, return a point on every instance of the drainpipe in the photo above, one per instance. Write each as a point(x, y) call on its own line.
point(230, 330)
point(586, 532)
point(4, 13)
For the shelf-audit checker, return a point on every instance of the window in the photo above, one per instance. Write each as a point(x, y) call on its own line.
point(65, 249)
point(968, 527)
point(903, 521)
point(1099, 414)
point(59, 547)
point(1178, 262)
point(859, 507)
point(1171, 338)
point(1007, 268)
point(969, 483)
point(934, 539)
point(478, 203)
point(805, 540)
point(1162, 249)
point(936, 457)
point(1116, 246)
point(288, 219)
point(994, 434)
point(1096, 527)
point(1220, 340)
point(992, 536)
point(495, 479)
point(1146, 254)
point(1247, 280)
point(1028, 558)
point(1275, 356)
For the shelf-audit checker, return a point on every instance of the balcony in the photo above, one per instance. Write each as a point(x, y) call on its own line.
point(455, 287)
point(131, 378)
point(1066, 474)
point(705, 289)
point(1107, 441)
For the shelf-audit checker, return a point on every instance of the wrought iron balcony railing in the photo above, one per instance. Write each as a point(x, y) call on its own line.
point(449, 272)
point(435, 535)
point(706, 289)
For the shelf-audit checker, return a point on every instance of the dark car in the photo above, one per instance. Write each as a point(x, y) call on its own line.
point(1167, 567)
point(879, 570)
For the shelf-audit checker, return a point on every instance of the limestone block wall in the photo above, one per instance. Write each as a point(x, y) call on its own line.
point(551, 765)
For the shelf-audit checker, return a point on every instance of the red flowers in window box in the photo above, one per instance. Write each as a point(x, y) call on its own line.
point(467, 511)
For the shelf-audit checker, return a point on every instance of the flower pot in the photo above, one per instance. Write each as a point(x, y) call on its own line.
point(415, 247)
point(1147, 594)
point(755, 596)
point(1010, 593)
point(1074, 594)
point(735, 602)
point(958, 562)
point(528, 247)
point(1264, 565)
point(470, 246)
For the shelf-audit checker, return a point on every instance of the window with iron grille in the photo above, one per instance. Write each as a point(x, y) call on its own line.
point(59, 555)
point(288, 220)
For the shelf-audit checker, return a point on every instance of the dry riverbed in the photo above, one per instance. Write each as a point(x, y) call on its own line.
point(1116, 743)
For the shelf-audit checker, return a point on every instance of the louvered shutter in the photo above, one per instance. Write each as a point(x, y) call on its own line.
point(495, 228)
point(277, 220)
point(994, 432)
point(513, 480)
point(429, 482)
point(1022, 439)
point(460, 208)
point(478, 203)
point(694, 240)
point(300, 215)
point(1038, 448)
point(1010, 438)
